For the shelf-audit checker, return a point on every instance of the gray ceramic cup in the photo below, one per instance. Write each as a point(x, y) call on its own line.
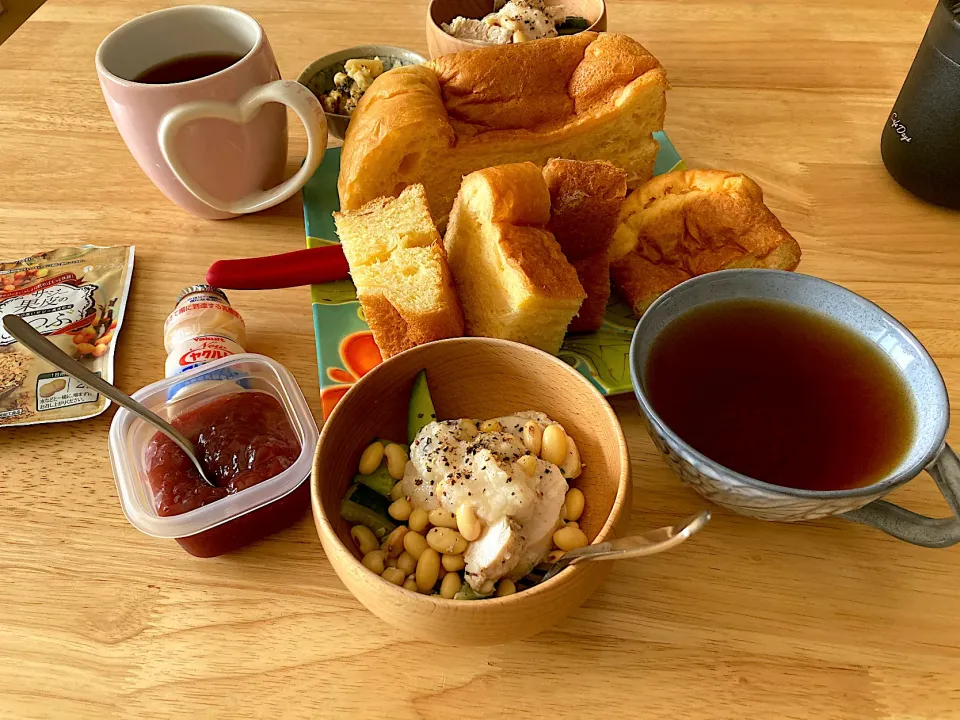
point(765, 501)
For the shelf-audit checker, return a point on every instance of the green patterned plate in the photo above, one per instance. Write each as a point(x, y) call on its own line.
point(345, 347)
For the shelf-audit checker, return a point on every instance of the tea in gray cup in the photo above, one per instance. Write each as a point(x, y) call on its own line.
point(785, 397)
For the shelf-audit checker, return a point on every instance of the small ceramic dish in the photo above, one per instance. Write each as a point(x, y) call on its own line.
point(443, 11)
point(475, 378)
point(318, 75)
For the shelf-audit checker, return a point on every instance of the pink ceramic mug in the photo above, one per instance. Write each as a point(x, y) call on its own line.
point(215, 145)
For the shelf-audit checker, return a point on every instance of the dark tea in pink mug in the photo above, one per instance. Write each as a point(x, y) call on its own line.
point(197, 97)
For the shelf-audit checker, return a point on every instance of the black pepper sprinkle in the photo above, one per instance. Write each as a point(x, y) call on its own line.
point(419, 415)
point(470, 494)
point(509, 479)
point(418, 482)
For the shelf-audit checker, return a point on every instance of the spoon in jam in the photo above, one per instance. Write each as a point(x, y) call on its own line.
point(39, 345)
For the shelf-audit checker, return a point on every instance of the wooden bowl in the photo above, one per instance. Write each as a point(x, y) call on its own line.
point(474, 378)
point(443, 11)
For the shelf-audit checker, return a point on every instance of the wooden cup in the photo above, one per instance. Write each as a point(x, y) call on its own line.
point(443, 11)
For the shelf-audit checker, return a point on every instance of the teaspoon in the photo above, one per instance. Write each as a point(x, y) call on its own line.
point(30, 338)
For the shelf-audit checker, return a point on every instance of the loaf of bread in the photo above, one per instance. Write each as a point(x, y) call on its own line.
point(511, 275)
point(400, 270)
point(585, 201)
point(587, 97)
point(689, 223)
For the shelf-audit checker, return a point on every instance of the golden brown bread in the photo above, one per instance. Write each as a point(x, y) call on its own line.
point(689, 223)
point(400, 271)
point(512, 278)
point(585, 96)
point(585, 201)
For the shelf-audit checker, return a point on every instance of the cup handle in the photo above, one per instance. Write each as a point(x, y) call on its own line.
point(287, 92)
point(913, 527)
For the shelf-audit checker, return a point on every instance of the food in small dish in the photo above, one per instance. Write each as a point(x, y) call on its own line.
point(469, 507)
point(400, 270)
point(351, 83)
point(688, 223)
point(513, 280)
point(517, 21)
point(585, 201)
point(243, 438)
point(432, 124)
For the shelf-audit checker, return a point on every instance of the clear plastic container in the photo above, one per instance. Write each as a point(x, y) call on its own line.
point(235, 520)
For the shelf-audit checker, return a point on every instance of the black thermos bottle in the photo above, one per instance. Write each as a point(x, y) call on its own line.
point(921, 140)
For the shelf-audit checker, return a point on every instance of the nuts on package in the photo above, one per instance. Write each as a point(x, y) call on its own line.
point(76, 297)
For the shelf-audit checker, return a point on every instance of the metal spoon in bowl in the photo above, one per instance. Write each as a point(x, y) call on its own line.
point(649, 543)
point(30, 338)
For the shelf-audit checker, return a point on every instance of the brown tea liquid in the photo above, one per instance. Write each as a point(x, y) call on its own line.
point(186, 67)
point(781, 394)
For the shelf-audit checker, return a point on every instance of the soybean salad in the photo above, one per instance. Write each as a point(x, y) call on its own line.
point(466, 508)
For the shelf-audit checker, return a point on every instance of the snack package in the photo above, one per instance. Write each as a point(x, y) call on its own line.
point(76, 298)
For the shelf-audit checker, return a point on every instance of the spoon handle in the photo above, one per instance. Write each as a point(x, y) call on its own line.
point(37, 343)
point(648, 543)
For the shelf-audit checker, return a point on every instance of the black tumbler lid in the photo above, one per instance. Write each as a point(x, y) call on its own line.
point(944, 29)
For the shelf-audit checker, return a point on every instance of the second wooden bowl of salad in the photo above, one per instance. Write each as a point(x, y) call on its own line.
point(360, 501)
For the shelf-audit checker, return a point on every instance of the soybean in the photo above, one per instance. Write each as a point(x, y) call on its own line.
point(467, 523)
point(394, 541)
point(396, 460)
point(364, 539)
point(414, 543)
point(374, 561)
point(407, 562)
point(506, 587)
point(371, 457)
point(418, 520)
point(400, 509)
point(428, 569)
point(394, 575)
point(450, 586)
point(554, 445)
point(569, 538)
point(446, 540)
point(573, 504)
point(410, 584)
point(442, 518)
point(452, 563)
point(491, 426)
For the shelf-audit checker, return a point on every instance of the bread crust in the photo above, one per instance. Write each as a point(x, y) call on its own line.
point(585, 202)
point(486, 107)
point(688, 223)
point(518, 201)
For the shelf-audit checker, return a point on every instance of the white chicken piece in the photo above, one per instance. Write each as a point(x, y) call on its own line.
point(538, 530)
point(493, 555)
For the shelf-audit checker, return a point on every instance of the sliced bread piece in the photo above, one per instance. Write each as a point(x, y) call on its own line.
point(513, 279)
point(585, 201)
point(408, 299)
point(687, 223)
point(400, 270)
point(371, 233)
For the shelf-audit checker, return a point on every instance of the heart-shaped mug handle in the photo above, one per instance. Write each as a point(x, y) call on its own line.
point(287, 92)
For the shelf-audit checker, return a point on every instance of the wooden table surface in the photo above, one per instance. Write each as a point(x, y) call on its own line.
point(750, 620)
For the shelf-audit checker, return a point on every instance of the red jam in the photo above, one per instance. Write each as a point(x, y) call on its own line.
point(243, 438)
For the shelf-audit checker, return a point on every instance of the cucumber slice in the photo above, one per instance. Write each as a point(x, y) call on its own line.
point(421, 412)
point(378, 480)
point(572, 25)
point(357, 514)
point(370, 499)
point(468, 593)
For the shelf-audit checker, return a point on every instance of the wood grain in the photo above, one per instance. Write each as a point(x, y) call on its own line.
point(748, 620)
